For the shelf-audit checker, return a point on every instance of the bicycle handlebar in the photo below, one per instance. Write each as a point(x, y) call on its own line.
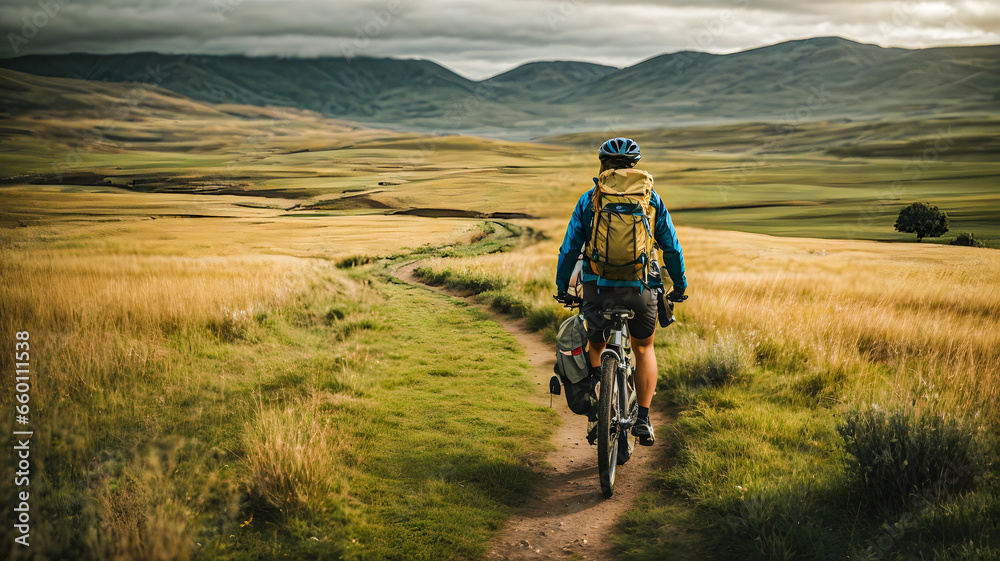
point(568, 300)
point(571, 301)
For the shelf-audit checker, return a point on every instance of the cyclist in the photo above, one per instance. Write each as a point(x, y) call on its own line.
point(620, 155)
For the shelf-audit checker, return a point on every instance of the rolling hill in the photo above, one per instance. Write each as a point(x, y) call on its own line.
point(812, 78)
point(826, 75)
point(546, 80)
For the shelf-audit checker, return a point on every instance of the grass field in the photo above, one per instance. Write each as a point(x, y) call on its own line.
point(210, 383)
point(831, 179)
point(247, 401)
point(801, 371)
point(800, 178)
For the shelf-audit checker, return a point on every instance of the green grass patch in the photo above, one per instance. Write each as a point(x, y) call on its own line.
point(491, 237)
point(449, 460)
point(499, 294)
point(504, 302)
point(460, 280)
point(332, 432)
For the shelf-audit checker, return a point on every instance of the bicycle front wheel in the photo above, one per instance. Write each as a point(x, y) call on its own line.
point(607, 425)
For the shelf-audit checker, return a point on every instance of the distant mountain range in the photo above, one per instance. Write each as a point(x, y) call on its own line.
point(807, 79)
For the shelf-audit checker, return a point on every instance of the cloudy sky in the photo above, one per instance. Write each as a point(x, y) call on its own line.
point(479, 38)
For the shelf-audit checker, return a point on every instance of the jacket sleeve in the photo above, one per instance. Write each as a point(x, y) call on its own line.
point(666, 238)
point(576, 235)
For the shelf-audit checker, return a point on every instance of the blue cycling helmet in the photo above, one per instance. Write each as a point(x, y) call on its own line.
point(620, 148)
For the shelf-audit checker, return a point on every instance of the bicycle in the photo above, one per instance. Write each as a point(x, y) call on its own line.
point(617, 405)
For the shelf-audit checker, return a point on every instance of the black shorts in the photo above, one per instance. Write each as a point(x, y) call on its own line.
point(595, 300)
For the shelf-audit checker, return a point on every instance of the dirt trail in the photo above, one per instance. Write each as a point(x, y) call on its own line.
point(566, 516)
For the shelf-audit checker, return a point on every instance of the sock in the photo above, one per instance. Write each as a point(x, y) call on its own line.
point(643, 412)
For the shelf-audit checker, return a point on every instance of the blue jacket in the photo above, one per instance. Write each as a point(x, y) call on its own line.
point(578, 232)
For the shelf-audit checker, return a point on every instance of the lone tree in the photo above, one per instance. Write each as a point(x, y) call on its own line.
point(922, 219)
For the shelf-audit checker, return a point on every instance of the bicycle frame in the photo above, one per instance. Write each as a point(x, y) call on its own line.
point(619, 346)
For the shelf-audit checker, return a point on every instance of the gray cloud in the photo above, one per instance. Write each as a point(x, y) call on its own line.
point(480, 38)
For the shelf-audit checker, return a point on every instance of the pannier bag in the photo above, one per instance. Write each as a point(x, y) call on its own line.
point(572, 367)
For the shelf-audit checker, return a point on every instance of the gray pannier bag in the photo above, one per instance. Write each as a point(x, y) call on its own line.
point(571, 365)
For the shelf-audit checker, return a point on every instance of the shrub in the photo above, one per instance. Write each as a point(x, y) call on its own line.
point(542, 318)
point(901, 458)
point(235, 324)
point(334, 314)
point(967, 239)
point(294, 460)
point(354, 261)
point(727, 360)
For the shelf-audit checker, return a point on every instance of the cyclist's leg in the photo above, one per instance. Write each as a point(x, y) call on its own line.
point(645, 385)
point(641, 328)
point(594, 351)
point(645, 370)
point(591, 310)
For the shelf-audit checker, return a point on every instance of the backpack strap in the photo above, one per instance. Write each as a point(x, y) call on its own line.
point(595, 205)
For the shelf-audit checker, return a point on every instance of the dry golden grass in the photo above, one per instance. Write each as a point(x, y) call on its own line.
point(95, 220)
point(929, 314)
point(296, 457)
point(116, 301)
point(139, 292)
point(109, 313)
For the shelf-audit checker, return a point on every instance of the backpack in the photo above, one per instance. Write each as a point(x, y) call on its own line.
point(572, 366)
point(621, 244)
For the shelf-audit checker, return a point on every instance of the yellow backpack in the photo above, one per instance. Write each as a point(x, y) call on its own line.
point(621, 244)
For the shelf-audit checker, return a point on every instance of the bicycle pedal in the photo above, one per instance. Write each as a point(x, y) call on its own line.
point(645, 441)
point(555, 386)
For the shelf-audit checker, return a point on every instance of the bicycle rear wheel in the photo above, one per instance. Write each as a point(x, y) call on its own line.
point(626, 444)
point(607, 425)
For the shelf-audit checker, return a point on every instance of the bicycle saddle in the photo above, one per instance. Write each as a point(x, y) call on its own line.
point(620, 313)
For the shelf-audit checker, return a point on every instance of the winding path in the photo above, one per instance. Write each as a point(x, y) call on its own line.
point(566, 516)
